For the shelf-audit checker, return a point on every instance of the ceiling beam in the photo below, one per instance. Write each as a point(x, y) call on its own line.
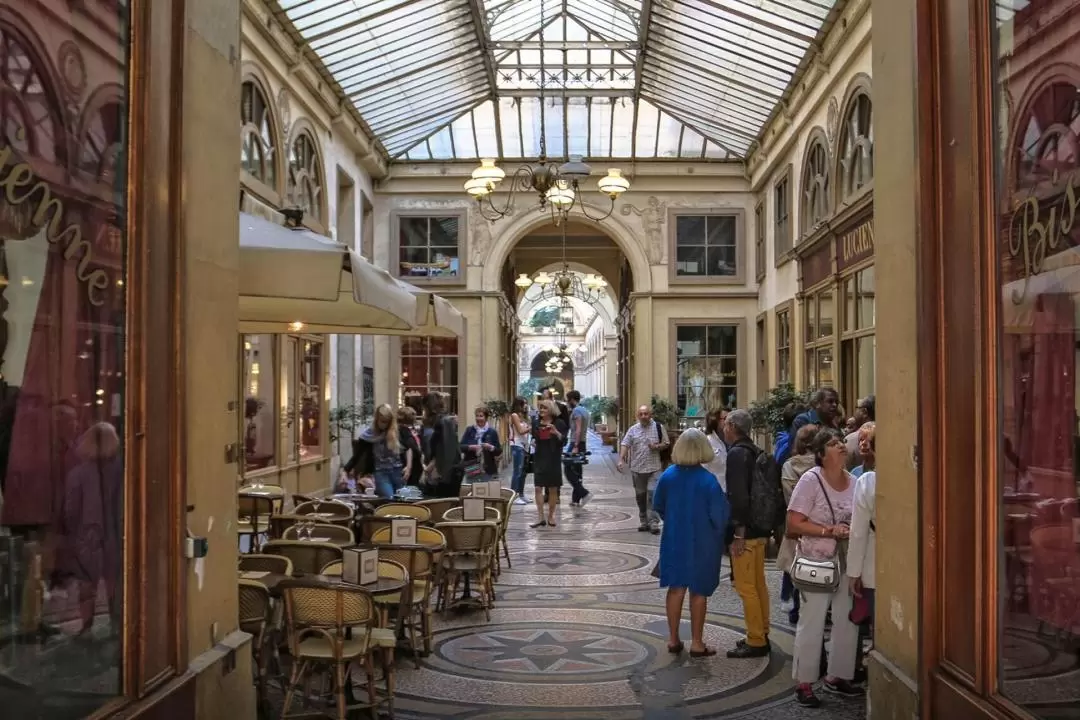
point(639, 65)
point(481, 41)
point(584, 92)
point(565, 45)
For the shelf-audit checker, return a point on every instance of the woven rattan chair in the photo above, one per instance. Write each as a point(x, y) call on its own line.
point(505, 505)
point(438, 506)
point(334, 626)
point(470, 548)
point(276, 564)
point(455, 514)
point(421, 513)
point(255, 612)
point(415, 606)
point(334, 569)
point(334, 534)
point(307, 557)
point(332, 511)
point(371, 524)
point(253, 518)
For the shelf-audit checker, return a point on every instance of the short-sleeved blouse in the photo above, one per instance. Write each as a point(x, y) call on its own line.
point(809, 499)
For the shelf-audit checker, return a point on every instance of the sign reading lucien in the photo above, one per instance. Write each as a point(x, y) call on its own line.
point(20, 189)
point(855, 246)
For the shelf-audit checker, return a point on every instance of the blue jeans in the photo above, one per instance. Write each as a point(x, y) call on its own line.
point(517, 479)
point(388, 482)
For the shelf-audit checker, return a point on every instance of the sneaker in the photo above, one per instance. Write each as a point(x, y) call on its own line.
point(842, 687)
point(655, 530)
point(643, 527)
point(768, 642)
point(575, 505)
point(521, 501)
point(585, 500)
point(804, 695)
point(787, 605)
point(744, 652)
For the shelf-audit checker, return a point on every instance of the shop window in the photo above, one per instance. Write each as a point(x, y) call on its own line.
point(783, 347)
point(707, 369)
point(819, 314)
point(1038, 551)
point(306, 178)
point(430, 247)
point(311, 387)
point(63, 350)
point(759, 242)
point(858, 336)
point(762, 357)
point(815, 207)
point(258, 146)
point(429, 365)
point(857, 146)
point(260, 435)
point(706, 246)
point(782, 236)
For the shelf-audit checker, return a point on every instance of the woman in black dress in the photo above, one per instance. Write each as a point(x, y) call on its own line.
point(549, 435)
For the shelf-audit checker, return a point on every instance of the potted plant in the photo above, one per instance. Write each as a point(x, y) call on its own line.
point(768, 412)
point(667, 414)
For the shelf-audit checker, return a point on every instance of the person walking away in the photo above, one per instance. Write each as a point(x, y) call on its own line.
point(793, 469)
point(695, 512)
point(820, 515)
point(443, 463)
point(824, 411)
point(714, 429)
point(549, 433)
point(520, 441)
point(579, 429)
point(411, 456)
point(754, 519)
point(481, 442)
point(377, 454)
point(640, 448)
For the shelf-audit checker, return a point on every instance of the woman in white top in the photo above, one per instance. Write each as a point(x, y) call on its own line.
point(520, 439)
point(714, 432)
point(860, 556)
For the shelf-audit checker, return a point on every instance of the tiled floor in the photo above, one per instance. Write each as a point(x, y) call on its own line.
point(579, 633)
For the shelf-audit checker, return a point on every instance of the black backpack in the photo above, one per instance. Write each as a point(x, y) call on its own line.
point(767, 507)
point(665, 454)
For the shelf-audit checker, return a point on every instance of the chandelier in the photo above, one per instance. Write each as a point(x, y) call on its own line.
point(558, 186)
point(559, 351)
point(564, 283)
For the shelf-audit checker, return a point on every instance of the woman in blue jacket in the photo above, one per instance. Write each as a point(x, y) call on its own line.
point(482, 441)
point(695, 512)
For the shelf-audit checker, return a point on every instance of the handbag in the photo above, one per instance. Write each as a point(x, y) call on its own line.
point(817, 576)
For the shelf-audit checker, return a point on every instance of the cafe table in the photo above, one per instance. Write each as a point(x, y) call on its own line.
point(273, 581)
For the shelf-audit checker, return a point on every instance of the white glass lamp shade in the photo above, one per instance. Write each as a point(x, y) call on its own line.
point(613, 184)
point(561, 195)
point(543, 279)
point(479, 188)
point(523, 281)
point(489, 172)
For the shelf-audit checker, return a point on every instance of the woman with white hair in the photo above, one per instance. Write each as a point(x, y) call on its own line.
point(695, 512)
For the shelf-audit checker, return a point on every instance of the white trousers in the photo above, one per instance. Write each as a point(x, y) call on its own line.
point(810, 633)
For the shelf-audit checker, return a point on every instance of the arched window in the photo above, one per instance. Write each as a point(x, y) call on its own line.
point(305, 177)
point(815, 205)
point(1047, 141)
point(28, 119)
point(258, 141)
point(101, 144)
point(857, 146)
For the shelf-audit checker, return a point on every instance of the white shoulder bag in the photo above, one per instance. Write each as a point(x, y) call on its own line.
point(817, 576)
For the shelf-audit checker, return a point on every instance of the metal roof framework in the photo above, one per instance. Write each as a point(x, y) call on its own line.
point(636, 79)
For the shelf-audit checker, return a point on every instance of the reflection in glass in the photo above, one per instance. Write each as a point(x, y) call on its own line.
point(864, 366)
point(311, 390)
point(825, 314)
point(866, 299)
point(705, 246)
point(1039, 560)
point(429, 365)
point(63, 379)
point(706, 373)
point(824, 367)
point(259, 428)
point(289, 426)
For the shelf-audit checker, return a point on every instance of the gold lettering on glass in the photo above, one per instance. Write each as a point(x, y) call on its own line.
point(857, 243)
point(19, 186)
point(1033, 230)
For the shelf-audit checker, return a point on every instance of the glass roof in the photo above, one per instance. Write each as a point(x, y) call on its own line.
point(465, 79)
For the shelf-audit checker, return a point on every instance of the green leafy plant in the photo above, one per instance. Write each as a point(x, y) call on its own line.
point(768, 413)
point(599, 407)
point(545, 317)
point(346, 419)
point(497, 408)
point(665, 412)
point(528, 388)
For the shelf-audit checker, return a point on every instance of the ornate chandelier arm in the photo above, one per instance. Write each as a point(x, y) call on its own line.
point(584, 208)
point(520, 180)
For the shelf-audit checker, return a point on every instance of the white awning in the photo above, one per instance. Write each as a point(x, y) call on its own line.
point(297, 281)
point(439, 318)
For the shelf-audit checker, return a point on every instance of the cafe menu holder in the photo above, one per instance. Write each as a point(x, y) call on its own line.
point(490, 489)
point(360, 566)
point(403, 531)
point(472, 509)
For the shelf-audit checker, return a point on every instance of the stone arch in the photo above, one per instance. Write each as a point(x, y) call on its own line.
point(302, 127)
point(859, 86)
point(518, 226)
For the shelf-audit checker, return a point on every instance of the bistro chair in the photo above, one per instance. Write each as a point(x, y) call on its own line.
point(280, 523)
point(505, 505)
point(328, 511)
point(438, 506)
point(422, 514)
point(274, 564)
point(455, 514)
point(469, 550)
point(324, 532)
point(421, 561)
point(334, 569)
point(253, 518)
point(255, 618)
point(332, 625)
point(307, 556)
point(370, 524)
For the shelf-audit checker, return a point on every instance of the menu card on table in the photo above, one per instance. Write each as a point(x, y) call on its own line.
point(490, 489)
point(472, 509)
point(360, 566)
point(403, 531)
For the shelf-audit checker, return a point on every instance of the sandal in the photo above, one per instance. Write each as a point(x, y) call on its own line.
point(676, 649)
point(552, 523)
point(542, 523)
point(707, 652)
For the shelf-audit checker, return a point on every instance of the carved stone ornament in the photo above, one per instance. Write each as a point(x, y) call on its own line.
point(72, 69)
point(284, 111)
point(653, 218)
point(480, 237)
point(832, 124)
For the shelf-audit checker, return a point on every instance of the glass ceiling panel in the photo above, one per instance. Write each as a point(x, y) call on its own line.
point(465, 79)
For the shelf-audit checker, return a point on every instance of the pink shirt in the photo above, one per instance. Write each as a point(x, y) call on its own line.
point(808, 499)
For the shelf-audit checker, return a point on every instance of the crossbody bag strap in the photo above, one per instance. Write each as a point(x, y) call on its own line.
point(821, 484)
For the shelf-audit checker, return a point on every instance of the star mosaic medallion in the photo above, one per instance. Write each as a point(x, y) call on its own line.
point(547, 651)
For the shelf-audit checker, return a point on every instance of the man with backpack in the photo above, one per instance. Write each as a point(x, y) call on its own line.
point(757, 509)
point(643, 446)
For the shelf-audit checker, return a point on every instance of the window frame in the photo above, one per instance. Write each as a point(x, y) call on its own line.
point(299, 130)
point(741, 367)
point(816, 139)
point(859, 86)
point(761, 338)
point(739, 214)
point(276, 348)
point(783, 236)
point(813, 345)
point(759, 242)
point(851, 335)
point(782, 350)
point(403, 385)
point(271, 194)
point(462, 216)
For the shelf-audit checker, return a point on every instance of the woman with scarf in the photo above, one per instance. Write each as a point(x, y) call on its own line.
point(377, 454)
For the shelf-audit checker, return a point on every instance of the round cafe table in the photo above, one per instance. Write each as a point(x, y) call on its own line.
point(273, 581)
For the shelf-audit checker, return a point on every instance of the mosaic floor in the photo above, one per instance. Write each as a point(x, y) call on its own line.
point(579, 633)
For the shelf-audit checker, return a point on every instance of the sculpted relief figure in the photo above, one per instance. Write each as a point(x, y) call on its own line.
point(653, 217)
point(479, 238)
